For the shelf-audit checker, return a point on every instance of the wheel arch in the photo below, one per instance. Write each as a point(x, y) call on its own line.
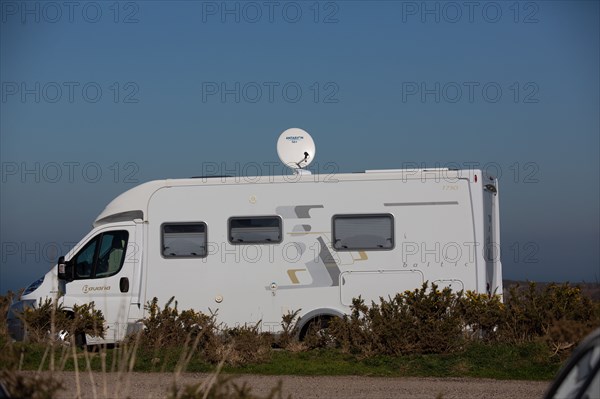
point(316, 314)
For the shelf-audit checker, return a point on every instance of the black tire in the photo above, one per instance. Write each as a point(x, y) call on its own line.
point(80, 340)
point(320, 323)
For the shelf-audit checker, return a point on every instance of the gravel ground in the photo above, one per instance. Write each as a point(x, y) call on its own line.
point(155, 385)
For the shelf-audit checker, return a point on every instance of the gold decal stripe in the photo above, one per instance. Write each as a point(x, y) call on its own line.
point(292, 274)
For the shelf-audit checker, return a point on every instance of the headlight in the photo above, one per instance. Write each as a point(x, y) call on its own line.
point(33, 286)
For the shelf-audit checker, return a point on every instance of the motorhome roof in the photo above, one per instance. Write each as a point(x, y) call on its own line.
point(133, 203)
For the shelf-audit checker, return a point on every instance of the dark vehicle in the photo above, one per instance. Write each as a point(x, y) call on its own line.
point(3, 391)
point(580, 377)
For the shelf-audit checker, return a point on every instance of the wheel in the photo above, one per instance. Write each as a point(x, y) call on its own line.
point(316, 330)
point(65, 337)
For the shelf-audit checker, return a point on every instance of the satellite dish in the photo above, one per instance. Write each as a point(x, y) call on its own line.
point(296, 149)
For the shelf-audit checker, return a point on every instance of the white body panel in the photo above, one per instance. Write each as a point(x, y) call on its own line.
point(444, 223)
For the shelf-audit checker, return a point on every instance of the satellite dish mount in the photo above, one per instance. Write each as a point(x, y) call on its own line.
point(296, 149)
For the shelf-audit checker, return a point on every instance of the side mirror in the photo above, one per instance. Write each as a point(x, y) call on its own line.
point(66, 271)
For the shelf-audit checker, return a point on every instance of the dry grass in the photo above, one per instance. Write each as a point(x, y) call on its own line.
point(425, 320)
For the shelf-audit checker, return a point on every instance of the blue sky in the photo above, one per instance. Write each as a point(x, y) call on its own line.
point(97, 97)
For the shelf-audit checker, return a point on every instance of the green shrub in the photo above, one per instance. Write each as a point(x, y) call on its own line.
point(559, 314)
point(317, 335)
point(353, 333)
point(553, 312)
point(240, 346)
point(482, 314)
point(85, 319)
point(5, 301)
point(48, 316)
point(289, 329)
point(168, 327)
point(198, 332)
point(428, 320)
point(420, 321)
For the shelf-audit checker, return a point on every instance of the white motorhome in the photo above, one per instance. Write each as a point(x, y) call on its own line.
point(255, 249)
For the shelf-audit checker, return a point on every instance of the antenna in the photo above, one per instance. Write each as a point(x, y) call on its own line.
point(296, 149)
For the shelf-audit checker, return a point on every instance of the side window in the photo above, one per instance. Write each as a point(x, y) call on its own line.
point(180, 240)
point(102, 257)
point(111, 254)
point(84, 260)
point(363, 232)
point(255, 230)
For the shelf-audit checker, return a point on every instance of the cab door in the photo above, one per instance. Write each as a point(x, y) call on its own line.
point(104, 270)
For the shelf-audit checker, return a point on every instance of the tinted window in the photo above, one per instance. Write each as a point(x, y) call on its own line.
point(103, 256)
point(84, 260)
point(111, 254)
point(363, 232)
point(184, 240)
point(255, 230)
